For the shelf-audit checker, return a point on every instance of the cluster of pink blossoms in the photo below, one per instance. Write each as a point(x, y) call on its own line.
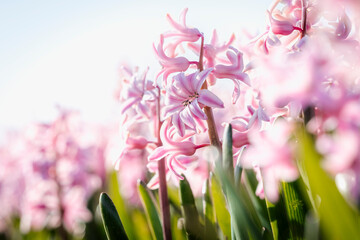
point(312, 71)
point(303, 68)
point(49, 172)
point(175, 104)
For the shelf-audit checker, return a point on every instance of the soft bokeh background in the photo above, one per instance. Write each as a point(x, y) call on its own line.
point(68, 52)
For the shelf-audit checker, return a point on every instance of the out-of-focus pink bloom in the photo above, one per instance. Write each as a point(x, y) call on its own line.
point(281, 27)
point(138, 94)
point(125, 74)
point(40, 207)
point(12, 178)
point(271, 152)
point(57, 159)
point(185, 99)
point(132, 166)
point(170, 65)
point(343, 27)
point(240, 133)
point(341, 150)
point(75, 213)
point(260, 187)
point(233, 71)
point(258, 116)
point(279, 83)
point(131, 143)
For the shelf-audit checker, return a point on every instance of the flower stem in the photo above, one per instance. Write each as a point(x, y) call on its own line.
point(164, 200)
point(212, 131)
point(163, 194)
point(304, 16)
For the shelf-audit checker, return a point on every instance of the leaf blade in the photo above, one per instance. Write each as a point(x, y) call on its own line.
point(111, 220)
point(152, 214)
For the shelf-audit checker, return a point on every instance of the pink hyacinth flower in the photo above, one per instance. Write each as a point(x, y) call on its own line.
point(233, 71)
point(211, 52)
point(137, 95)
point(185, 99)
point(176, 151)
point(271, 152)
point(181, 31)
point(131, 143)
point(172, 147)
point(258, 116)
point(176, 166)
point(240, 133)
point(281, 27)
point(170, 65)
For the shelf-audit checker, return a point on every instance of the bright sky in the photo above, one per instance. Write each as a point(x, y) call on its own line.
point(68, 52)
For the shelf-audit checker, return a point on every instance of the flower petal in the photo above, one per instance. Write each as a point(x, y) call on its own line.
point(209, 99)
point(159, 153)
point(154, 182)
point(143, 109)
point(180, 126)
point(187, 117)
point(196, 110)
point(170, 110)
point(236, 92)
point(201, 77)
point(128, 104)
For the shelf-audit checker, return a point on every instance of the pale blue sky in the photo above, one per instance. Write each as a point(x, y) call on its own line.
point(67, 52)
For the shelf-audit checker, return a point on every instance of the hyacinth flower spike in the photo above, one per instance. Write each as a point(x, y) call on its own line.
point(185, 99)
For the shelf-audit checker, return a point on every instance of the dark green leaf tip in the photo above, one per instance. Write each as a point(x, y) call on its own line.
point(111, 220)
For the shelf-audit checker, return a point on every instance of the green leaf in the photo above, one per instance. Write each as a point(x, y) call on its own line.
point(177, 229)
point(208, 209)
point(295, 209)
point(221, 212)
point(250, 183)
point(122, 208)
point(245, 211)
point(152, 213)
point(311, 227)
point(143, 231)
point(207, 203)
point(227, 152)
point(174, 199)
point(238, 170)
point(244, 223)
point(111, 220)
point(278, 221)
point(194, 229)
point(337, 219)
